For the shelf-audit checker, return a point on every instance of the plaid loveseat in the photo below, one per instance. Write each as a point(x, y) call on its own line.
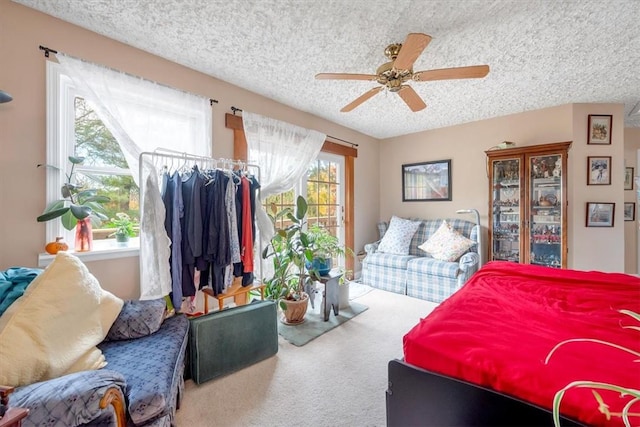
point(417, 274)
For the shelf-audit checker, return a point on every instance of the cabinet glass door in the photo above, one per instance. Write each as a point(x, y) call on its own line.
point(545, 221)
point(506, 210)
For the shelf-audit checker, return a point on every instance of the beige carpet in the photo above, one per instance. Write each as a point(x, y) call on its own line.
point(338, 379)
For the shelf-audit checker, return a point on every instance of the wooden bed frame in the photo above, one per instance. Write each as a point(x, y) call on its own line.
point(417, 397)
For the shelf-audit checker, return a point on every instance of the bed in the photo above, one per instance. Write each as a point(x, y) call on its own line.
point(498, 351)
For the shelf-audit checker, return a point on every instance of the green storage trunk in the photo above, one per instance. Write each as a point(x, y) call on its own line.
point(225, 341)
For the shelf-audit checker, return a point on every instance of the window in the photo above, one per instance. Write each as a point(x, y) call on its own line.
point(323, 189)
point(74, 129)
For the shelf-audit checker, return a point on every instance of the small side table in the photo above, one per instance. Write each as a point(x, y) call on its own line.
point(331, 294)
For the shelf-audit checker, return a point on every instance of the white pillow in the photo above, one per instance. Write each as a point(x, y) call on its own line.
point(398, 237)
point(53, 329)
point(446, 244)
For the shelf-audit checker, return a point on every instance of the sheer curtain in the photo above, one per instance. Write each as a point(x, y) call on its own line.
point(283, 152)
point(142, 116)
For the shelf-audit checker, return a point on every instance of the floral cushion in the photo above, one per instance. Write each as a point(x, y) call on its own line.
point(446, 244)
point(397, 239)
point(138, 319)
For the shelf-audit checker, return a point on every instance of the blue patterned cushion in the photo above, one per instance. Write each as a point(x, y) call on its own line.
point(67, 401)
point(397, 238)
point(153, 367)
point(137, 319)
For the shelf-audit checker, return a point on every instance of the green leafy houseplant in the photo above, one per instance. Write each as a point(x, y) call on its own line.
point(124, 226)
point(289, 249)
point(325, 247)
point(76, 203)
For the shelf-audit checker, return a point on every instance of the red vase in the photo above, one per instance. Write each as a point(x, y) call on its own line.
point(84, 235)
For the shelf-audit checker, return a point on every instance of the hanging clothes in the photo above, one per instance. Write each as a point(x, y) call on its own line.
point(234, 241)
point(191, 229)
point(209, 228)
point(174, 212)
point(155, 244)
point(217, 254)
point(246, 211)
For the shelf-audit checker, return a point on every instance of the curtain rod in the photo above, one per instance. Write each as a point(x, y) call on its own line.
point(47, 51)
point(235, 110)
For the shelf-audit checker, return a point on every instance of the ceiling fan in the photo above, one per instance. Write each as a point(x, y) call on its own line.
point(394, 75)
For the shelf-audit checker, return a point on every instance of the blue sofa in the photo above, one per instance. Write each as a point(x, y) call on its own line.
point(141, 385)
point(417, 274)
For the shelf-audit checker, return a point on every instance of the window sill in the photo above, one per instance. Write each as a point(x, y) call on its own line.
point(102, 250)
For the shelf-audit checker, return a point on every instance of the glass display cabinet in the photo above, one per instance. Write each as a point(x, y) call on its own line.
point(527, 201)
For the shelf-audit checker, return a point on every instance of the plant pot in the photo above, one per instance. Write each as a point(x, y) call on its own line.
point(321, 265)
point(84, 235)
point(122, 239)
point(343, 295)
point(295, 310)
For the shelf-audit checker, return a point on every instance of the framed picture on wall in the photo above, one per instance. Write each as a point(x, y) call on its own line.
point(628, 178)
point(600, 214)
point(426, 181)
point(598, 170)
point(629, 211)
point(599, 129)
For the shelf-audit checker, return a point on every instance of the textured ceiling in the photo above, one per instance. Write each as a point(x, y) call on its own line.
point(541, 53)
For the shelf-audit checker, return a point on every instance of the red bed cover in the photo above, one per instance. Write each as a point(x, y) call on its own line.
point(499, 328)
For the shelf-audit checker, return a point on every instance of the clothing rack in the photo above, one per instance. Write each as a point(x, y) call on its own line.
point(163, 158)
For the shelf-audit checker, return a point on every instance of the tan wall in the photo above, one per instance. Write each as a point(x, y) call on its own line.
point(465, 145)
point(23, 122)
point(631, 147)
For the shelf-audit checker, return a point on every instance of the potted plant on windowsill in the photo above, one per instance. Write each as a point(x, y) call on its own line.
point(78, 208)
point(124, 228)
point(289, 249)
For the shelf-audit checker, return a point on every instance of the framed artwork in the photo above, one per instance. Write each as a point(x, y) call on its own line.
point(629, 211)
point(599, 129)
point(598, 170)
point(628, 178)
point(426, 181)
point(600, 214)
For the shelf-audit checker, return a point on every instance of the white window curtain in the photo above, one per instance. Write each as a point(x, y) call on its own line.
point(142, 116)
point(283, 152)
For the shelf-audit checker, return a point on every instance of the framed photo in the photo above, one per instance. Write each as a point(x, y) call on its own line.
point(598, 170)
point(600, 214)
point(629, 211)
point(426, 181)
point(628, 178)
point(599, 129)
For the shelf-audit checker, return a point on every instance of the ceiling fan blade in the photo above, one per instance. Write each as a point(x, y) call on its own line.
point(411, 98)
point(410, 50)
point(362, 98)
point(471, 72)
point(345, 76)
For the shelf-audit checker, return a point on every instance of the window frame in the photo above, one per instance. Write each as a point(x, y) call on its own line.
point(60, 141)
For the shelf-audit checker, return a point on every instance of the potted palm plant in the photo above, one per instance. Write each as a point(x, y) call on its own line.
point(80, 208)
point(290, 249)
